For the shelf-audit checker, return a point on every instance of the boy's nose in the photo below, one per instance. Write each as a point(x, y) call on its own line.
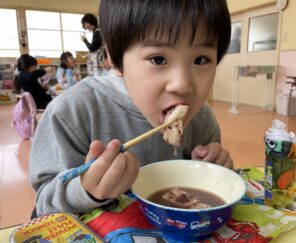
point(180, 82)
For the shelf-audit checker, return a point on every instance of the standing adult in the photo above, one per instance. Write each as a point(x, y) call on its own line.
point(90, 22)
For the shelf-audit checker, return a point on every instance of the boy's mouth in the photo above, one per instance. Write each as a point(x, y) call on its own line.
point(166, 112)
point(174, 118)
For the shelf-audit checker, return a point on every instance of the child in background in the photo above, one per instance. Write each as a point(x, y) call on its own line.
point(28, 76)
point(166, 53)
point(66, 73)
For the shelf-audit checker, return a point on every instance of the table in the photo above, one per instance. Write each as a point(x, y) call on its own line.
point(56, 90)
point(292, 77)
point(292, 89)
point(5, 233)
point(252, 71)
point(286, 237)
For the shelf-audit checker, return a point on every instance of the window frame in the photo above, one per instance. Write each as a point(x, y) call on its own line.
point(61, 31)
point(18, 50)
point(250, 18)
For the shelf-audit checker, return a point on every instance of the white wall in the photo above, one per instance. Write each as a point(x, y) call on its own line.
point(73, 6)
point(252, 91)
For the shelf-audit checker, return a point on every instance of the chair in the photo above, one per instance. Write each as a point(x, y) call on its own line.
point(292, 89)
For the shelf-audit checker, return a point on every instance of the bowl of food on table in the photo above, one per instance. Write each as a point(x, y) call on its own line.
point(185, 199)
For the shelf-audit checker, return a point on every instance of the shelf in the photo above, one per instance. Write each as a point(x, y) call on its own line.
point(7, 96)
point(41, 66)
point(6, 76)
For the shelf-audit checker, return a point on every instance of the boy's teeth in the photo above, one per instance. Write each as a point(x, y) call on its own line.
point(169, 111)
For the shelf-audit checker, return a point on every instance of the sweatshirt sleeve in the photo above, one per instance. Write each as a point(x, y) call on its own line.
point(96, 41)
point(58, 146)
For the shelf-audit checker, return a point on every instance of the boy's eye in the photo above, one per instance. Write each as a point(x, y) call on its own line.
point(158, 60)
point(201, 60)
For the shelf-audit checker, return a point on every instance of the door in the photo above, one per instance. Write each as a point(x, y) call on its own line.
point(254, 42)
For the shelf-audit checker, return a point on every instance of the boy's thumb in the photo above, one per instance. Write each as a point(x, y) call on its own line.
point(200, 151)
point(96, 148)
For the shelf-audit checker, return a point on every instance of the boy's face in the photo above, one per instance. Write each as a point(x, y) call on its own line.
point(159, 77)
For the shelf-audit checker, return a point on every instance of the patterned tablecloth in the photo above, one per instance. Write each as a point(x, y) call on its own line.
point(251, 221)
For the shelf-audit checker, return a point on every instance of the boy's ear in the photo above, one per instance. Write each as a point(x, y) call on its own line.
point(117, 71)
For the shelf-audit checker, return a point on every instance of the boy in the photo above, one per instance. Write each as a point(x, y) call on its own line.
point(166, 52)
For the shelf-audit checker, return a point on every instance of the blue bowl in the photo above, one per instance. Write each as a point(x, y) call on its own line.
point(188, 224)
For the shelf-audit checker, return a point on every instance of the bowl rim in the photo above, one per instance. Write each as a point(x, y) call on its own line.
point(195, 210)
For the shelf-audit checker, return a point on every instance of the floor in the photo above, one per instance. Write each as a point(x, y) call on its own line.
point(242, 135)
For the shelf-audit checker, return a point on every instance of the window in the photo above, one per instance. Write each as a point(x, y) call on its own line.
point(263, 33)
point(51, 33)
point(235, 40)
point(9, 44)
point(72, 30)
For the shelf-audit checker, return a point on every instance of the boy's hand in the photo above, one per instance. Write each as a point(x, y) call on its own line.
point(112, 173)
point(213, 152)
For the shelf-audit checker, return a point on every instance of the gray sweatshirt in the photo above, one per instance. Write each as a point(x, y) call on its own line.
point(97, 109)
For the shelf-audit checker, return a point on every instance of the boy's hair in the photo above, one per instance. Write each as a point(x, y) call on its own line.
point(64, 58)
point(91, 19)
point(26, 61)
point(125, 22)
